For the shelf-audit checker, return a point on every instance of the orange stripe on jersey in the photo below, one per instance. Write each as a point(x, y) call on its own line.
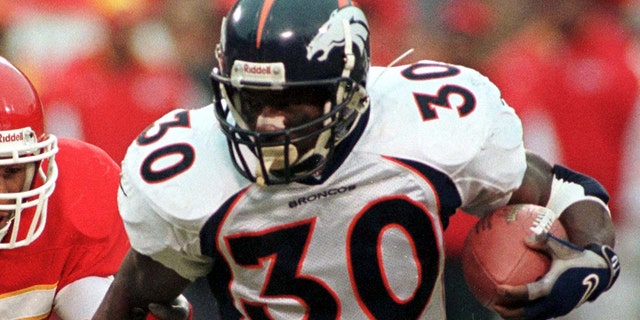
point(266, 8)
point(41, 317)
point(40, 287)
point(32, 303)
point(343, 3)
point(420, 174)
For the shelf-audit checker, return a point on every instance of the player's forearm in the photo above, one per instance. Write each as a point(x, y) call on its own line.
point(578, 199)
point(121, 297)
point(112, 307)
point(140, 281)
point(581, 202)
point(588, 222)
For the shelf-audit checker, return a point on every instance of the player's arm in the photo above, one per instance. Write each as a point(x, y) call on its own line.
point(139, 282)
point(587, 220)
point(581, 269)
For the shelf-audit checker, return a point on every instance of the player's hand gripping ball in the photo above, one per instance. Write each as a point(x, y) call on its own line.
point(179, 309)
point(495, 252)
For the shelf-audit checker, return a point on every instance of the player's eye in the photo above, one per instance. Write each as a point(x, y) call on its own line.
point(10, 171)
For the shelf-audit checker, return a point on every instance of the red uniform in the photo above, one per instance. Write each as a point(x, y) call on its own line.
point(584, 86)
point(113, 105)
point(84, 235)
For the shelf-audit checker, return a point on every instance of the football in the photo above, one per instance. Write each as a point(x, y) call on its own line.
point(494, 251)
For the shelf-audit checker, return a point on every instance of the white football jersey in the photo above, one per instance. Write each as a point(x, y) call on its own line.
point(366, 243)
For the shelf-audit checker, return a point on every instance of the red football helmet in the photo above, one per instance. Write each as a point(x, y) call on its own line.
point(23, 141)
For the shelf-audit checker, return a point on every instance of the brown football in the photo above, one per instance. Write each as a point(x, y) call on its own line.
point(495, 252)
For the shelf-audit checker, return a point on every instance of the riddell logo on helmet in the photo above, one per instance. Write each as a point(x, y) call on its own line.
point(11, 137)
point(257, 69)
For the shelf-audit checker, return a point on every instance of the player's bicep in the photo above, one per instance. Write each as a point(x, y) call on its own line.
point(168, 242)
point(496, 171)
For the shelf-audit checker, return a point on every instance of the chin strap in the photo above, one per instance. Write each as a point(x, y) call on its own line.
point(350, 58)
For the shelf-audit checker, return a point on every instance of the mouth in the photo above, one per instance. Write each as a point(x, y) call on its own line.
point(270, 124)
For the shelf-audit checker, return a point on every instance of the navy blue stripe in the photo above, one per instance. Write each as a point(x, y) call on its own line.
point(220, 277)
point(591, 186)
point(445, 188)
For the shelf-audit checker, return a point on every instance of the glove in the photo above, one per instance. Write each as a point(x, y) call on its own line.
point(576, 275)
point(179, 309)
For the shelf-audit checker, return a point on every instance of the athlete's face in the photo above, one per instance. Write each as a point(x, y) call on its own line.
point(12, 179)
point(271, 111)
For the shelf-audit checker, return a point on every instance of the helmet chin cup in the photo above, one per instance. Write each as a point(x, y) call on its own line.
point(274, 158)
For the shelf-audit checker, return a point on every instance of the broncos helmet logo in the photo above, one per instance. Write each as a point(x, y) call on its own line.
point(332, 35)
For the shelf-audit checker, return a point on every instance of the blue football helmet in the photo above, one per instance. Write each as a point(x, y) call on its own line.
point(290, 51)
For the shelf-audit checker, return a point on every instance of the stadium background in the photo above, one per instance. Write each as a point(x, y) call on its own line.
point(105, 69)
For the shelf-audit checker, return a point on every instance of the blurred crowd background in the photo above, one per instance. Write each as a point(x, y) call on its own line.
point(105, 69)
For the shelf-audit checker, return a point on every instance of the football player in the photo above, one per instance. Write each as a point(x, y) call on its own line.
point(316, 187)
point(58, 249)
